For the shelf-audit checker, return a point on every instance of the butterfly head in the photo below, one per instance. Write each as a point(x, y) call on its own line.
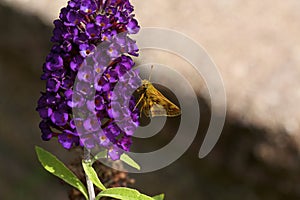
point(145, 84)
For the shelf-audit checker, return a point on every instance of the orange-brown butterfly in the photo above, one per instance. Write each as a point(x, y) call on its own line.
point(155, 103)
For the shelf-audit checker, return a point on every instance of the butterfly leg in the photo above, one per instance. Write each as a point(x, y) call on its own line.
point(142, 108)
point(139, 101)
point(146, 108)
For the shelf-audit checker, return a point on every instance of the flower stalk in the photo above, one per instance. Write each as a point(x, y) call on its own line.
point(89, 183)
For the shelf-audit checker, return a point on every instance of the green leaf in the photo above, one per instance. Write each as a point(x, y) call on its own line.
point(124, 157)
point(57, 168)
point(129, 161)
point(159, 197)
point(92, 174)
point(123, 193)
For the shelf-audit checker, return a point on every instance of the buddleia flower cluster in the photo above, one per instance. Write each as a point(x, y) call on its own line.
point(82, 27)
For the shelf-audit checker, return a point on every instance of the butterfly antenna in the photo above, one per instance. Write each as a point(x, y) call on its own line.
point(150, 72)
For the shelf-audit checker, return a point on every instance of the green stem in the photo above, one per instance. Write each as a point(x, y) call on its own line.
point(89, 183)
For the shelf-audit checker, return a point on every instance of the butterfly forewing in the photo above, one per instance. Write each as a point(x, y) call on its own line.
point(156, 104)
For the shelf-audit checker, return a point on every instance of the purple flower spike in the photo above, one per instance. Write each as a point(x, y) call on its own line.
point(103, 90)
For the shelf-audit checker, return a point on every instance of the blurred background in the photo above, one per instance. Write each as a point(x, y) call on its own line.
point(256, 46)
